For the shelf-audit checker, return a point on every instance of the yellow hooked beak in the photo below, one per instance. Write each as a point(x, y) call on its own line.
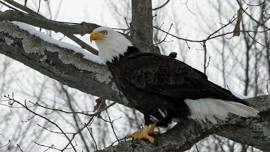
point(95, 36)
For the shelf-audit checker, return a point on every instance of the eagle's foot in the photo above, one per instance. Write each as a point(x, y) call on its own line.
point(145, 133)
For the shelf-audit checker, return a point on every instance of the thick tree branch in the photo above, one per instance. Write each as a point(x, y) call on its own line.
point(63, 27)
point(254, 132)
point(68, 29)
point(61, 64)
point(72, 69)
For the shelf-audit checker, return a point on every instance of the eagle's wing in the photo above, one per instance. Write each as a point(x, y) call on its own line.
point(169, 77)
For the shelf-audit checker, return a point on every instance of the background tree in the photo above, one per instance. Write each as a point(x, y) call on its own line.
point(45, 112)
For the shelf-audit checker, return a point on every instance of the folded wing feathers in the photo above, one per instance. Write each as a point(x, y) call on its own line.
point(213, 109)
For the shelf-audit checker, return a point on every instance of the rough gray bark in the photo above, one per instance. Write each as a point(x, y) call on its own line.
point(142, 25)
point(254, 132)
point(58, 63)
point(71, 69)
point(68, 29)
point(64, 27)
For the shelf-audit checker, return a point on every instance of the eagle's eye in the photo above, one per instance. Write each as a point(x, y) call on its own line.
point(104, 32)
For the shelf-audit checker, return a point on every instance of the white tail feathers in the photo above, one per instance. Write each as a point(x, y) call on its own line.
point(213, 109)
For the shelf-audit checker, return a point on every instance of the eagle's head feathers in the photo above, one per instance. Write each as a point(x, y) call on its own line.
point(110, 43)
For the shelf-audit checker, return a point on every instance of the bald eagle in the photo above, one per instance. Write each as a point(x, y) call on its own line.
point(162, 87)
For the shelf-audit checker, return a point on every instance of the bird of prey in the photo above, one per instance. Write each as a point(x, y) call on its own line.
point(162, 87)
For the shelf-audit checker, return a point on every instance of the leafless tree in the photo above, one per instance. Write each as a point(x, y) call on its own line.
point(84, 122)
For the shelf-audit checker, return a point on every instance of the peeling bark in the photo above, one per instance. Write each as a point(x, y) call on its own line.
point(61, 64)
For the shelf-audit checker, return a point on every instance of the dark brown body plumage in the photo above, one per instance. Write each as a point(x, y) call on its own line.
point(154, 83)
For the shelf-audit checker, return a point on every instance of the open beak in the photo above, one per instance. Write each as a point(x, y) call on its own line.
point(95, 36)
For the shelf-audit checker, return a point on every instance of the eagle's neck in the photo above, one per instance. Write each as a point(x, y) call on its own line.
point(113, 47)
point(130, 51)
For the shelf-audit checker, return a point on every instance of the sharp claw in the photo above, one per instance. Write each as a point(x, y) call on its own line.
point(144, 133)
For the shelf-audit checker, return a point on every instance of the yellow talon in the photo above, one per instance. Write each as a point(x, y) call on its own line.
point(145, 133)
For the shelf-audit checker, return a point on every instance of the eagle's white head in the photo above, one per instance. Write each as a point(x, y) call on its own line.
point(110, 43)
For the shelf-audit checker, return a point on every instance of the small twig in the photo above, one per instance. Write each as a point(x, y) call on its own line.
point(204, 57)
point(9, 6)
point(25, 2)
point(91, 135)
point(166, 35)
point(236, 31)
point(209, 37)
point(111, 123)
point(19, 147)
point(159, 7)
point(75, 118)
point(39, 4)
point(5, 145)
point(55, 132)
point(11, 98)
point(70, 112)
point(81, 43)
point(66, 28)
point(80, 130)
point(49, 147)
point(250, 16)
point(120, 139)
point(197, 148)
point(24, 8)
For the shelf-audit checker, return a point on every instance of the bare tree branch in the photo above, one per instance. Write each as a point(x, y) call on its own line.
point(58, 63)
point(65, 27)
point(254, 132)
point(68, 29)
point(182, 137)
point(161, 6)
point(68, 67)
